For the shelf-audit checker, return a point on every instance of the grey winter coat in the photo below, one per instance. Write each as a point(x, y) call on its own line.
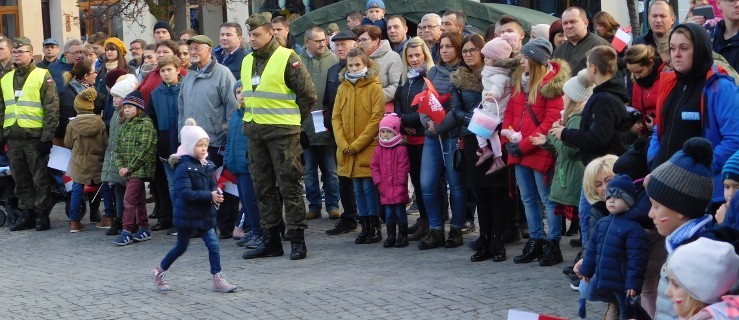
point(318, 68)
point(391, 68)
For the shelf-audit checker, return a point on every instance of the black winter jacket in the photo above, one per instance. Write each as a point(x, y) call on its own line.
point(408, 114)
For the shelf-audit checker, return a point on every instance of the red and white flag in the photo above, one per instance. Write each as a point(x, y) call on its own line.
point(621, 39)
point(430, 103)
point(523, 315)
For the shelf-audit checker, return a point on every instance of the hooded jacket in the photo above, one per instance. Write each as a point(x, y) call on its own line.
point(391, 67)
point(110, 171)
point(500, 82)
point(604, 125)
point(717, 111)
point(194, 182)
point(87, 137)
point(318, 67)
point(547, 109)
point(390, 168)
point(644, 92)
point(358, 109)
point(728, 48)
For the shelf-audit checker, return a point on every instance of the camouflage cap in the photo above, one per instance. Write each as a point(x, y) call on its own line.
point(201, 39)
point(21, 41)
point(255, 21)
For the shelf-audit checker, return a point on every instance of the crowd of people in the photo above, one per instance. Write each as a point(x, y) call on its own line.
point(636, 148)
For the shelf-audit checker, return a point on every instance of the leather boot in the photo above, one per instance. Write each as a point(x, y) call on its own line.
point(497, 247)
point(512, 233)
point(270, 247)
point(574, 228)
point(482, 248)
point(421, 231)
point(26, 221)
point(552, 254)
point(434, 239)
point(115, 227)
point(455, 238)
point(412, 229)
point(402, 240)
point(531, 251)
point(375, 232)
point(43, 222)
point(362, 237)
point(347, 222)
point(390, 241)
point(298, 250)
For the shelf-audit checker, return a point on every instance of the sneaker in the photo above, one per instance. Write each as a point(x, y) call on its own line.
point(220, 284)
point(157, 276)
point(575, 285)
point(125, 238)
point(247, 236)
point(142, 235)
point(254, 242)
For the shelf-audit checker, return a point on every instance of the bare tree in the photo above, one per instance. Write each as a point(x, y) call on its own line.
point(633, 17)
point(168, 10)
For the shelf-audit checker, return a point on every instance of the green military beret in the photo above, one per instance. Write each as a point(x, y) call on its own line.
point(255, 21)
point(21, 41)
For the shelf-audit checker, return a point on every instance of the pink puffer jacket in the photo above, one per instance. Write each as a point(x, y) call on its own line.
point(390, 168)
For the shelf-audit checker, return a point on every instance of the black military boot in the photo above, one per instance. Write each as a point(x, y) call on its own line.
point(497, 247)
point(532, 250)
point(482, 248)
point(43, 222)
point(25, 222)
point(402, 240)
point(298, 250)
point(390, 241)
point(434, 239)
point(271, 245)
point(374, 234)
point(362, 237)
point(552, 254)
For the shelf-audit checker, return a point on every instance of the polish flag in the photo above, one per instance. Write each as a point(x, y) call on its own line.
point(67, 182)
point(621, 39)
point(523, 315)
point(226, 181)
point(430, 103)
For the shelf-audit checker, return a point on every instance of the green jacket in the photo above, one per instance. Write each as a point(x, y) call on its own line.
point(568, 169)
point(49, 101)
point(136, 147)
point(110, 171)
point(318, 69)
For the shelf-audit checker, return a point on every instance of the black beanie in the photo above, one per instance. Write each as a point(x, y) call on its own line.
point(634, 162)
point(161, 24)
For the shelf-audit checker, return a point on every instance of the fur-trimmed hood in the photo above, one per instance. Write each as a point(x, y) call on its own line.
point(467, 79)
point(554, 81)
point(510, 63)
point(173, 160)
point(373, 71)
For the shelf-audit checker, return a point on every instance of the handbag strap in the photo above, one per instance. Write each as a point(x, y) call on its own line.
point(533, 115)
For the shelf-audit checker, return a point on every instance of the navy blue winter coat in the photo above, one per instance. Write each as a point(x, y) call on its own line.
point(727, 48)
point(193, 183)
point(164, 114)
point(57, 69)
point(616, 258)
point(232, 61)
point(235, 157)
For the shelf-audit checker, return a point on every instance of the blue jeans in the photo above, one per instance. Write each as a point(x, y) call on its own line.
point(183, 240)
point(75, 201)
point(108, 200)
point(584, 213)
point(395, 214)
point(438, 155)
point(249, 208)
point(365, 192)
point(325, 158)
point(169, 171)
point(533, 191)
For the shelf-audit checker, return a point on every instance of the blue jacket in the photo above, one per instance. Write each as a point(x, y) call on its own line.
point(616, 259)
point(235, 157)
point(57, 69)
point(193, 184)
point(233, 61)
point(164, 114)
point(720, 113)
point(729, 48)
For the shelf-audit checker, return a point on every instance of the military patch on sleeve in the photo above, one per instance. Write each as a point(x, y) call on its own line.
point(296, 64)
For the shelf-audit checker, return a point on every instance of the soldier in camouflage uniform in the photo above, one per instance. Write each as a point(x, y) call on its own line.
point(275, 107)
point(29, 112)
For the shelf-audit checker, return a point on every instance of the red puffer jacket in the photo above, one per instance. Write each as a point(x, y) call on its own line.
point(547, 110)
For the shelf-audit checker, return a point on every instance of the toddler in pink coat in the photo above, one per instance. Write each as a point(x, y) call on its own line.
point(390, 168)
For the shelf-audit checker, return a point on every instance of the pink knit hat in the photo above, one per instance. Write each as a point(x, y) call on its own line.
point(391, 122)
point(497, 49)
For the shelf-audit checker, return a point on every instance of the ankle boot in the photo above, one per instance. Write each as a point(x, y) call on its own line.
point(390, 241)
point(402, 240)
point(220, 284)
point(115, 227)
point(43, 222)
point(482, 248)
point(421, 231)
point(497, 247)
point(362, 237)
point(298, 250)
point(455, 238)
point(531, 251)
point(434, 239)
point(26, 221)
point(271, 245)
point(552, 254)
point(375, 232)
point(412, 229)
point(574, 228)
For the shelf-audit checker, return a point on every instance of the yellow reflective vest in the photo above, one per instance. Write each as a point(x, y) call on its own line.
point(271, 102)
point(27, 110)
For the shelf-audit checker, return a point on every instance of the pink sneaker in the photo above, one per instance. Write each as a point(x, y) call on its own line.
point(157, 275)
point(498, 164)
point(486, 154)
point(220, 284)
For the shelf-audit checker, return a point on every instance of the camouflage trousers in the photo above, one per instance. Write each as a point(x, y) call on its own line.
point(32, 180)
point(274, 164)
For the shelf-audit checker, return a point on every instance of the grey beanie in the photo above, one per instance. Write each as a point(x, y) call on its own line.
point(538, 49)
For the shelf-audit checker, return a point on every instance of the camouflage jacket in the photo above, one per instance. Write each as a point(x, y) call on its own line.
point(136, 147)
point(49, 101)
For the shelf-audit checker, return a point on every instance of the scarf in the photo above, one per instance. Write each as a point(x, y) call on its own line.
point(525, 82)
point(648, 81)
point(415, 72)
point(389, 143)
point(353, 77)
point(685, 232)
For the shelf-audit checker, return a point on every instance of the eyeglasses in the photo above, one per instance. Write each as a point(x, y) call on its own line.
point(19, 52)
point(363, 40)
point(78, 53)
point(427, 27)
point(469, 51)
point(318, 41)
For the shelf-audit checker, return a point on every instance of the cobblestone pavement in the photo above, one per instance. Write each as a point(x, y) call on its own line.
point(56, 274)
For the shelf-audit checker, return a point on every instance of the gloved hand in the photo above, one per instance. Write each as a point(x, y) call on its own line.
point(513, 149)
point(44, 148)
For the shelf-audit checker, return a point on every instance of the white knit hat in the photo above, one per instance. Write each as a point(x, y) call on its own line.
point(705, 268)
point(189, 137)
point(579, 88)
point(124, 85)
